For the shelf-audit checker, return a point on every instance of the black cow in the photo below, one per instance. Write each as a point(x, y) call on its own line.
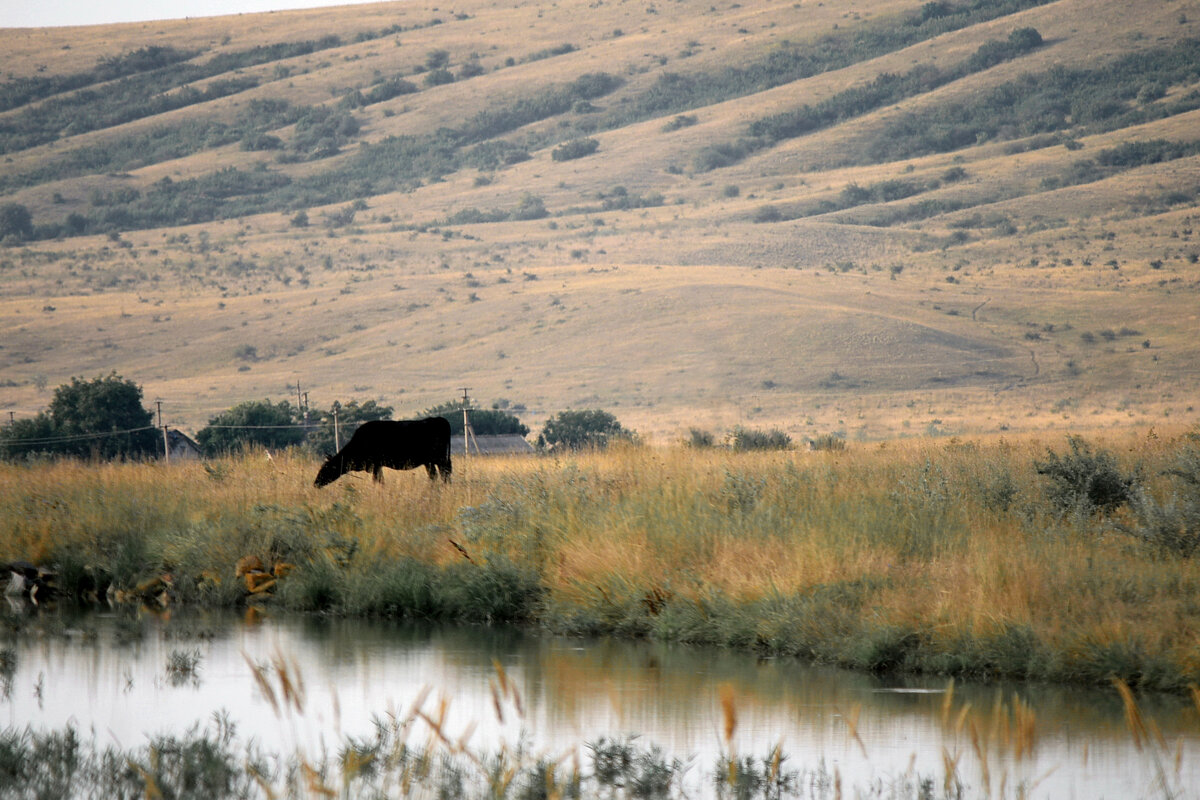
point(396, 444)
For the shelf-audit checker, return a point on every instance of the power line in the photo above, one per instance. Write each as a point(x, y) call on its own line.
point(77, 437)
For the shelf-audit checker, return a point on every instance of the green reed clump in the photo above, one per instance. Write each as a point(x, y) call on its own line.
point(748, 776)
point(183, 667)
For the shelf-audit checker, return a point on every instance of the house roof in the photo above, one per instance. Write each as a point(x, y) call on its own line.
point(506, 444)
point(181, 439)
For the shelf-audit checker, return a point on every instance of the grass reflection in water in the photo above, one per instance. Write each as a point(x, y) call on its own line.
point(414, 753)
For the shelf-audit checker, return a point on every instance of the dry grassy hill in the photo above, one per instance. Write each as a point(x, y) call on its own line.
point(879, 219)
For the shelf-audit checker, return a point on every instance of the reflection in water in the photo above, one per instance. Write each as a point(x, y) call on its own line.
point(1065, 742)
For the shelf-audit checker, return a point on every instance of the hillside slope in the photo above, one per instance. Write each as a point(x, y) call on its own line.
point(903, 218)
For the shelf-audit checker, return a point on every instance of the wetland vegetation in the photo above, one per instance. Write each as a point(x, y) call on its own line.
point(1005, 558)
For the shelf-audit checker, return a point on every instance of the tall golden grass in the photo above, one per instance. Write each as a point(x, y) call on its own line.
point(934, 555)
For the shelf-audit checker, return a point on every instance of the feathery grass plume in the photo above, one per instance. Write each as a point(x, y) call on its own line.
point(981, 755)
point(851, 721)
point(728, 714)
point(264, 686)
point(950, 778)
point(1133, 714)
point(947, 702)
point(1025, 728)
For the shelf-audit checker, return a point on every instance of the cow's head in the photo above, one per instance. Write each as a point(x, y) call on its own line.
point(330, 471)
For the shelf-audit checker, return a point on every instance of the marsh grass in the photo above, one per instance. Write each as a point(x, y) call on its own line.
point(941, 556)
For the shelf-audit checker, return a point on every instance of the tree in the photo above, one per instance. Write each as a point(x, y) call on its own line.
point(26, 437)
point(578, 430)
point(15, 221)
point(100, 418)
point(349, 417)
point(249, 424)
point(484, 421)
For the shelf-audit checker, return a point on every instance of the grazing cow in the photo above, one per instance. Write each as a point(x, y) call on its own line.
point(396, 444)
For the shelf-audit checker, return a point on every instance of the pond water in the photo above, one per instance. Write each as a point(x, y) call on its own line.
point(111, 674)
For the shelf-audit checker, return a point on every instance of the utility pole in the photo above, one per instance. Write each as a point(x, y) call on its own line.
point(166, 439)
point(337, 441)
point(468, 432)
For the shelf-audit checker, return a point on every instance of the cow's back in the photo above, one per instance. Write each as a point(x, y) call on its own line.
point(412, 441)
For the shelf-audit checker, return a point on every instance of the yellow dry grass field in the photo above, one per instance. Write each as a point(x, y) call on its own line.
point(1019, 297)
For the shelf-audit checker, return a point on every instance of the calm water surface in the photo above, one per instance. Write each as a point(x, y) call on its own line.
point(108, 674)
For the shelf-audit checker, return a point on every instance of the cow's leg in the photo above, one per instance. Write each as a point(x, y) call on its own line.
point(431, 468)
point(377, 473)
point(445, 469)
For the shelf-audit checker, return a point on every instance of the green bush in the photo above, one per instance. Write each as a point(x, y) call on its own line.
point(577, 148)
point(15, 222)
point(1085, 481)
point(1173, 525)
point(484, 421)
point(751, 439)
point(250, 424)
point(100, 418)
point(579, 430)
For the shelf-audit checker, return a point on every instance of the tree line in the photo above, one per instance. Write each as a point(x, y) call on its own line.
point(105, 419)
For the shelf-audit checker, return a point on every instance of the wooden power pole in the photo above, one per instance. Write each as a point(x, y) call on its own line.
point(468, 431)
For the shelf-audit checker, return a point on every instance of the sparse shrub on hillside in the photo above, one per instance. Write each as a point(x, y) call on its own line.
point(887, 88)
point(1091, 99)
point(159, 143)
point(724, 154)
point(576, 148)
point(550, 52)
point(741, 438)
point(1084, 480)
point(768, 213)
point(261, 141)
point(530, 207)
point(16, 223)
point(1149, 151)
point(475, 216)
point(341, 217)
point(471, 69)
point(673, 92)
point(828, 441)
point(18, 91)
point(438, 77)
point(388, 89)
point(700, 438)
point(995, 52)
point(679, 121)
